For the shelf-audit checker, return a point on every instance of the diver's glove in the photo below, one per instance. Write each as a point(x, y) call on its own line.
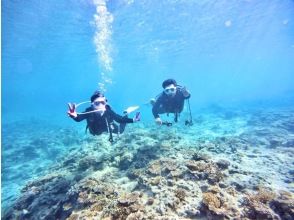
point(137, 117)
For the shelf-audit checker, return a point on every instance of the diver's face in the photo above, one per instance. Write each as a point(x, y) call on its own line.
point(170, 90)
point(99, 104)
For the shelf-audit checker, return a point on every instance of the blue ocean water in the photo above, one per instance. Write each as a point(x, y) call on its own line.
point(235, 55)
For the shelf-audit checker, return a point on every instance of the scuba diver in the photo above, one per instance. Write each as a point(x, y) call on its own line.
point(100, 117)
point(171, 100)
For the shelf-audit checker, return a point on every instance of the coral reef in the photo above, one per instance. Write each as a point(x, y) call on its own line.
point(227, 166)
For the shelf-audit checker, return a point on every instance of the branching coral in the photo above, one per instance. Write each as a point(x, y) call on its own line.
point(211, 200)
point(263, 195)
point(180, 194)
point(257, 205)
point(128, 198)
point(89, 161)
point(155, 168)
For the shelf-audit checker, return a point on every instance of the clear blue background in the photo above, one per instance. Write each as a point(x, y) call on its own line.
point(49, 58)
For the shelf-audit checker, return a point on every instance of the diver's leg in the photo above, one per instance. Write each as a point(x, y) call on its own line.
point(115, 129)
point(122, 127)
point(119, 129)
point(176, 117)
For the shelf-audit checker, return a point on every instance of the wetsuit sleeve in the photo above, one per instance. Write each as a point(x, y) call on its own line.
point(155, 109)
point(81, 117)
point(120, 119)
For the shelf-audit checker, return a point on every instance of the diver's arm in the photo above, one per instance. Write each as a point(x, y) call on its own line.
point(118, 118)
point(78, 117)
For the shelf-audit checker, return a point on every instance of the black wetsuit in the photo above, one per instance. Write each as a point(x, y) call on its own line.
point(168, 104)
point(98, 124)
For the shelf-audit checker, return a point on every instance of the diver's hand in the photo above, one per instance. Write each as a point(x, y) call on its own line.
point(185, 92)
point(137, 117)
point(72, 110)
point(158, 121)
point(72, 114)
